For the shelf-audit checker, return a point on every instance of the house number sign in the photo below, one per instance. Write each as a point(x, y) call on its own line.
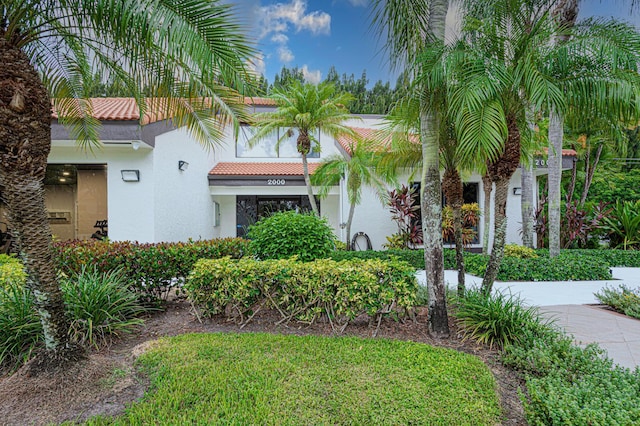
point(276, 182)
point(541, 162)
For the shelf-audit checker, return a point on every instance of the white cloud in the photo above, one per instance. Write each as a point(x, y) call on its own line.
point(257, 65)
point(285, 54)
point(280, 38)
point(311, 76)
point(277, 18)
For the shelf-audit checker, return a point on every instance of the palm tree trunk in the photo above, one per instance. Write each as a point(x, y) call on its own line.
point(307, 181)
point(499, 235)
point(453, 191)
point(554, 163)
point(501, 171)
point(527, 204)
point(589, 175)
point(487, 187)
point(25, 142)
point(352, 209)
point(431, 207)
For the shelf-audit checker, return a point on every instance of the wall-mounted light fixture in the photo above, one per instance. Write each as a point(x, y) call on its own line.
point(135, 145)
point(130, 175)
point(183, 165)
point(517, 191)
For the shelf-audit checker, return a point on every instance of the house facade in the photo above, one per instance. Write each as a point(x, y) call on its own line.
point(153, 182)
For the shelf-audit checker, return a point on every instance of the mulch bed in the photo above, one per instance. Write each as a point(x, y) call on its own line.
point(106, 381)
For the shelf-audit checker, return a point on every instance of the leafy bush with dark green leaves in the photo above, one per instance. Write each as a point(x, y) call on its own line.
point(565, 267)
point(413, 257)
point(286, 234)
point(623, 299)
point(153, 270)
point(302, 291)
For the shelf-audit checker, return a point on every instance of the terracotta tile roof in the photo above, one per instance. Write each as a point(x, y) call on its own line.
point(126, 109)
point(261, 169)
point(565, 152)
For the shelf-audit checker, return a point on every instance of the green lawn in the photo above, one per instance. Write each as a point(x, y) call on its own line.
point(290, 380)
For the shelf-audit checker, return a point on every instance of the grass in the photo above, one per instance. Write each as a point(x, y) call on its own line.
point(292, 380)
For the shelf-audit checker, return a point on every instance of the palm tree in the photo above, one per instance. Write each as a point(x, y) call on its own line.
point(310, 110)
point(409, 26)
point(500, 80)
point(565, 13)
point(358, 167)
point(183, 55)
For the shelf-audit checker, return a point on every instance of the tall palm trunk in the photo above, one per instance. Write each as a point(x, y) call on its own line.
point(431, 200)
point(25, 108)
point(501, 171)
point(453, 191)
point(527, 203)
point(554, 163)
point(307, 181)
point(565, 14)
point(352, 209)
point(431, 208)
point(487, 188)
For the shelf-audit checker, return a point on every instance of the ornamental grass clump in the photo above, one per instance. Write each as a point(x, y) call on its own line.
point(623, 299)
point(286, 234)
point(496, 320)
point(100, 305)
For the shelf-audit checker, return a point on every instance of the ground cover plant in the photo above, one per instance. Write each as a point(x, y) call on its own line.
point(622, 299)
point(565, 384)
point(275, 379)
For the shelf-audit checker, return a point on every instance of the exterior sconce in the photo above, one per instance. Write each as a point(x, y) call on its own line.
point(183, 165)
point(517, 191)
point(130, 175)
point(135, 145)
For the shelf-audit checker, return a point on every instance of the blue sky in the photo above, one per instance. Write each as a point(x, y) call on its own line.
point(315, 34)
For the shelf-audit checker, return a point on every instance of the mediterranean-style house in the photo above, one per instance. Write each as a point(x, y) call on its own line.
point(153, 182)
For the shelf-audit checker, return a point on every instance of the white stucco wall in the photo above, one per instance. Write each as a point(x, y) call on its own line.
point(130, 204)
point(183, 205)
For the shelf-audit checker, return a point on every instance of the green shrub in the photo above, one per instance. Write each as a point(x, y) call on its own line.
point(519, 252)
point(567, 384)
point(286, 234)
point(565, 267)
point(20, 327)
point(496, 319)
point(153, 270)
point(11, 271)
point(302, 291)
point(100, 305)
point(622, 299)
point(623, 225)
point(413, 257)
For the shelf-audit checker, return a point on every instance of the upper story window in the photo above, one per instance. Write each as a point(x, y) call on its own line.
point(268, 147)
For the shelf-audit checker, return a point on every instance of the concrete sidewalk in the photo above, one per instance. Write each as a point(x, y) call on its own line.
point(568, 303)
point(618, 334)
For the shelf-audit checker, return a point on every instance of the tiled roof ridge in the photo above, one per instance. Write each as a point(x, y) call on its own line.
point(246, 168)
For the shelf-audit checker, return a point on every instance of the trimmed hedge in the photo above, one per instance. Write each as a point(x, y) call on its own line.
point(571, 265)
point(151, 269)
point(302, 291)
point(542, 268)
point(414, 258)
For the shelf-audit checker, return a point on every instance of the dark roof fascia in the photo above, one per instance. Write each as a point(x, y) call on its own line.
point(119, 131)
